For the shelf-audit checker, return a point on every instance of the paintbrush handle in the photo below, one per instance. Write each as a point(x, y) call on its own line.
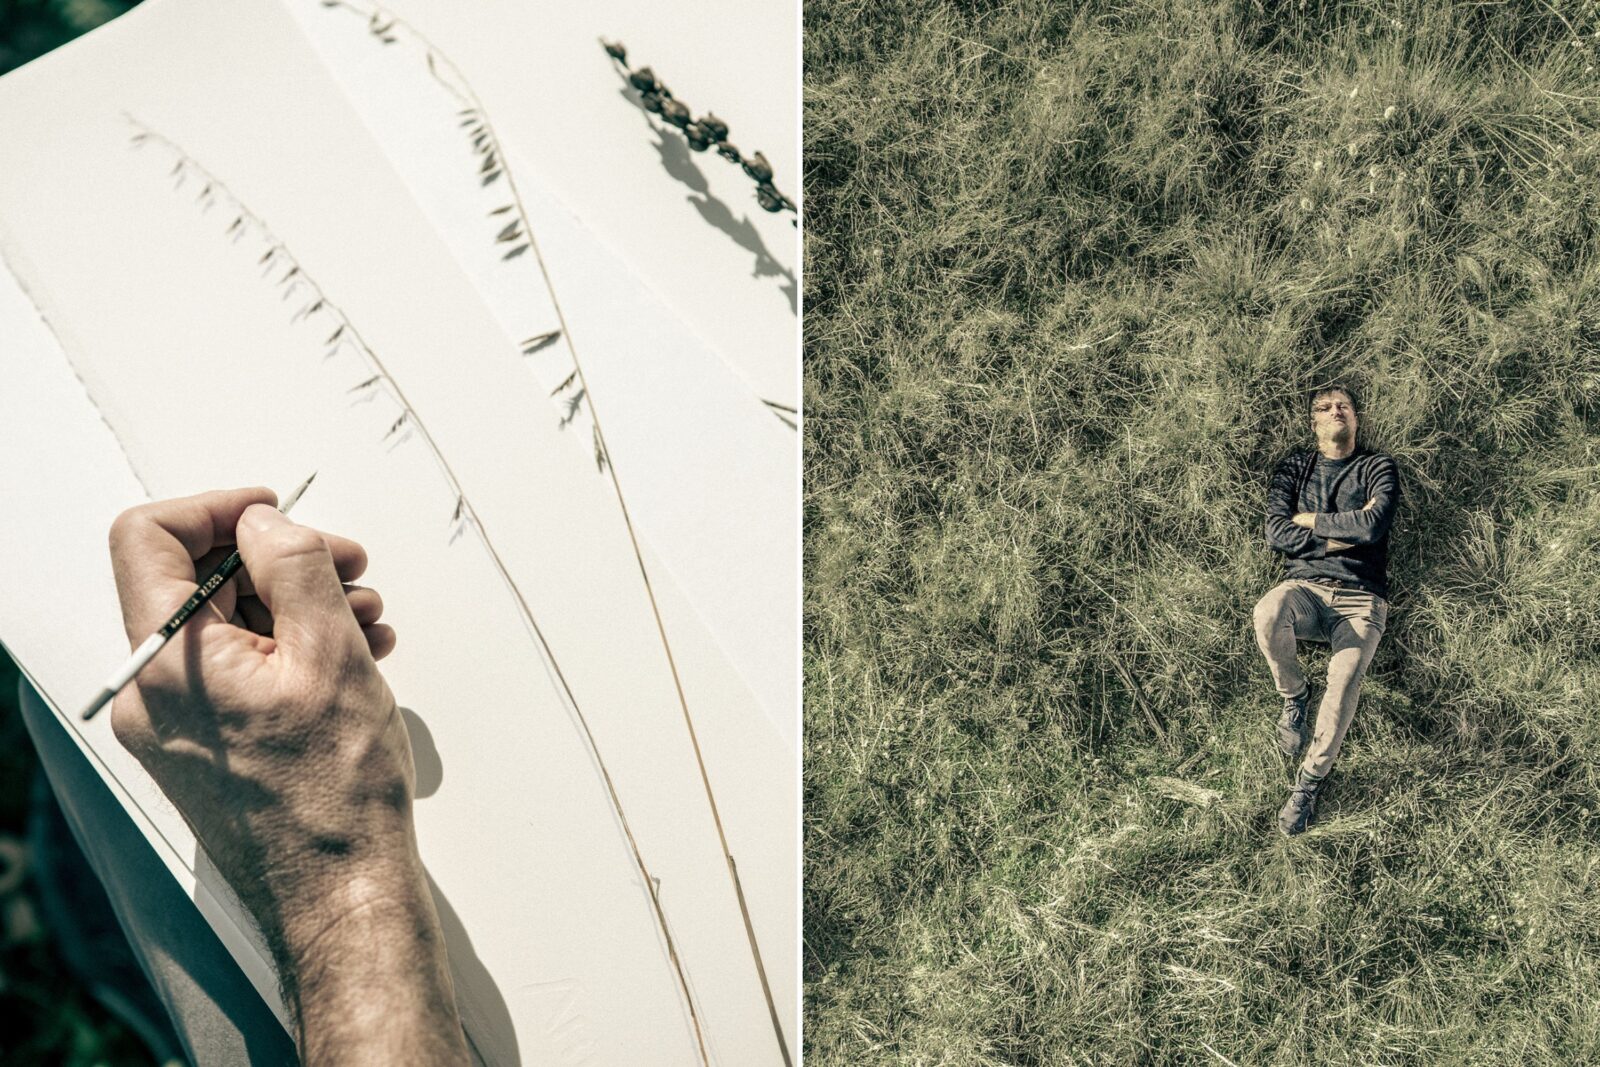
point(158, 640)
point(202, 594)
point(136, 663)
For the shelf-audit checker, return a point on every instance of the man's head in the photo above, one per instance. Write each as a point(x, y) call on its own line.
point(1333, 418)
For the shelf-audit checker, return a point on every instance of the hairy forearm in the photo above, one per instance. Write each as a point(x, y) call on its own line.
point(372, 985)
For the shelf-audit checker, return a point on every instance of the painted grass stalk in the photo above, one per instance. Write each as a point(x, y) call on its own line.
point(475, 121)
point(345, 333)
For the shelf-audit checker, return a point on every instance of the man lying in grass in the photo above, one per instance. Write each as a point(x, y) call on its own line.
point(1328, 513)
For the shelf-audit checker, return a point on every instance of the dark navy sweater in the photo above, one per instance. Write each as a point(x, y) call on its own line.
point(1338, 492)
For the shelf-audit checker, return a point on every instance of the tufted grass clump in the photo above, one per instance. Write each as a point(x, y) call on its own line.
point(1072, 270)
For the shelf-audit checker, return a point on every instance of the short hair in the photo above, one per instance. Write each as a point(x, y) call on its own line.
point(1336, 387)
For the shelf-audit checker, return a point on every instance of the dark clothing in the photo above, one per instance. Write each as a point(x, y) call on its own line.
point(1337, 491)
point(218, 1016)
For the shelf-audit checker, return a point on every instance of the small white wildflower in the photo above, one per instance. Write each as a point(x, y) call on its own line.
point(1316, 166)
point(1305, 203)
point(1354, 90)
point(1388, 113)
point(1352, 150)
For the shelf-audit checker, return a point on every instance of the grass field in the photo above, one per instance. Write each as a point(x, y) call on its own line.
point(1071, 270)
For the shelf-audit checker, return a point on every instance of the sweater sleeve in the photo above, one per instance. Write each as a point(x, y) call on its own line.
point(1369, 524)
point(1295, 542)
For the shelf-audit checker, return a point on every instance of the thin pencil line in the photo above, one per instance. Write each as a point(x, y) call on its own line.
point(466, 95)
point(463, 504)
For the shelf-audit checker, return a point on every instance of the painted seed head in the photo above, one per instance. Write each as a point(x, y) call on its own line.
point(699, 139)
point(758, 168)
point(727, 150)
point(714, 127)
point(644, 80)
point(615, 50)
point(768, 197)
point(675, 112)
point(651, 102)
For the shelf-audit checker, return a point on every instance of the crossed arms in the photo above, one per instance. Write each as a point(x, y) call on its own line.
point(1316, 535)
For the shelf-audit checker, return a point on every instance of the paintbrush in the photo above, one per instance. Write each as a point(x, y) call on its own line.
point(158, 640)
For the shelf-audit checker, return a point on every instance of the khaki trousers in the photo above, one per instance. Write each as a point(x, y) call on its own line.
point(1351, 622)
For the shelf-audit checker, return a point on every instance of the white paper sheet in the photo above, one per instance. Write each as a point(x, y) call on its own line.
point(212, 366)
point(710, 473)
point(687, 222)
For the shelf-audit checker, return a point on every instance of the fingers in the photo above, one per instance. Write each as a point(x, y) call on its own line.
point(380, 639)
point(365, 604)
point(253, 616)
point(293, 574)
point(158, 550)
point(349, 560)
point(154, 546)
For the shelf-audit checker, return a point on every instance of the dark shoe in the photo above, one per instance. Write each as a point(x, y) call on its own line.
point(1292, 724)
point(1297, 812)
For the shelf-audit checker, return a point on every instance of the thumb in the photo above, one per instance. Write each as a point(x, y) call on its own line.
point(293, 574)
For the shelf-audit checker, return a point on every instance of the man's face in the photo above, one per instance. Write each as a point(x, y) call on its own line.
point(1333, 419)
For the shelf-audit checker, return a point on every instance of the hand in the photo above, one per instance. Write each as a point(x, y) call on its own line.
point(1305, 518)
point(266, 722)
point(1339, 546)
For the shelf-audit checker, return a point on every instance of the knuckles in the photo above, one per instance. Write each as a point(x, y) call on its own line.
point(291, 542)
point(124, 526)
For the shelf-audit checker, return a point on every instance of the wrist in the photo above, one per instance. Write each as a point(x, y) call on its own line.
point(329, 907)
point(307, 871)
point(365, 972)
